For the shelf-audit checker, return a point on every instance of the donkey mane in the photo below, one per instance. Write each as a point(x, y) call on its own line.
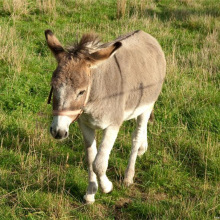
point(91, 43)
point(88, 44)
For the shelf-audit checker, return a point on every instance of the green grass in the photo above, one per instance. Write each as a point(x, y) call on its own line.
point(178, 178)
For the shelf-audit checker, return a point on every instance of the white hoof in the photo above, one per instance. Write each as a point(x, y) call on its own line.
point(107, 188)
point(128, 182)
point(142, 150)
point(89, 198)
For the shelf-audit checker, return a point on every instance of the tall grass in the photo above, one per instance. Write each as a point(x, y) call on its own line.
point(46, 6)
point(16, 7)
point(137, 8)
point(23, 7)
point(121, 8)
point(11, 52)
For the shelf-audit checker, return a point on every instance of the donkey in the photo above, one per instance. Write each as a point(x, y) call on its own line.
point(100, 86)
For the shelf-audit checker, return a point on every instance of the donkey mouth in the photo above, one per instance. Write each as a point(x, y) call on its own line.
point(59, 134)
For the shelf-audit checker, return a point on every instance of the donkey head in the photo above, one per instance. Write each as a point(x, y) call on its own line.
point(71, 79)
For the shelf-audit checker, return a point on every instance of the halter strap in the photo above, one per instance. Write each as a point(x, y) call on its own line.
point(74, 115)
point(66, 112)
point(71, 114)
point(50, 95)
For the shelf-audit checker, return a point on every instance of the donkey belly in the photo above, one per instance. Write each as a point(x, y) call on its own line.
point(133, 113)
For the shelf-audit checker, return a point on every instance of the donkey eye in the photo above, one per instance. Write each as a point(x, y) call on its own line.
point(81, 92)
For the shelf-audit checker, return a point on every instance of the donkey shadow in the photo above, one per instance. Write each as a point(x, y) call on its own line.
point(17, 140)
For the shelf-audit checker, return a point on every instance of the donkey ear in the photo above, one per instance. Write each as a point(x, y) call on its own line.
point(54, 45)
point(97, 57)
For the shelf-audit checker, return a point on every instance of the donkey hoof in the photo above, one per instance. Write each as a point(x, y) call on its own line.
point(142, 150)
point(89, 199)
point(128, 182)
point(108, 188)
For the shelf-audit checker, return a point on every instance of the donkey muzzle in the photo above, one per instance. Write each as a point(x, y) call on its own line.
point(59, 133)
point(61, 121)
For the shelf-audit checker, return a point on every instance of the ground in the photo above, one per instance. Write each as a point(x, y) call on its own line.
point(178, 178)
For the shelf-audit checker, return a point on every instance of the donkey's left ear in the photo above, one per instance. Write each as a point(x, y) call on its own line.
point(54, 45)
point(101, 55)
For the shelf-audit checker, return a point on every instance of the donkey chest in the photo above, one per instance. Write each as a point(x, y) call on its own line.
point(94, 122)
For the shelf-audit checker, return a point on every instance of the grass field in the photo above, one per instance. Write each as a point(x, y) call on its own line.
point(179, 176)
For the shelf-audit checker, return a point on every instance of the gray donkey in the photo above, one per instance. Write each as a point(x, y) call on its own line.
point(100, 86)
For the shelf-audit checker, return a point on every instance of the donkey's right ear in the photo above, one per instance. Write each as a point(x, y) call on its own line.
point(54, 44)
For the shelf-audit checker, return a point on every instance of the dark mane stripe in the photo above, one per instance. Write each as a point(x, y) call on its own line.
point(89, 42)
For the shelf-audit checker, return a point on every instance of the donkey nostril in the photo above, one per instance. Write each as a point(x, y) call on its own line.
point(60, 134)
point(57, 136)
point(51, 130)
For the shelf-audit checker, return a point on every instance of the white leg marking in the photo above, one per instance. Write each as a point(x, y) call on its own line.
point(101, 161)
point(139, 139)
point(91, 151)
point(143, 148)
point(106, 184)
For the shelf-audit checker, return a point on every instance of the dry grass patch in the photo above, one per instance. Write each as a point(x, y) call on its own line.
point(46, 6)
point(121, 8)
point(210, 53)
point(11, 52)
point(16, 7)
point(136, 8)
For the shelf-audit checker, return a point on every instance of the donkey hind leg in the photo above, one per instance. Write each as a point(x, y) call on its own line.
point(143, 148)
point(101, 161)
point(91, 151)
point(139, 145)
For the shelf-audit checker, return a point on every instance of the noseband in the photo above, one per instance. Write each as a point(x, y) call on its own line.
point(71, 114)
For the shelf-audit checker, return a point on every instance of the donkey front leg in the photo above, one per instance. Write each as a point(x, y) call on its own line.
point(101, 161)
point(91, 151)
point(139, 140)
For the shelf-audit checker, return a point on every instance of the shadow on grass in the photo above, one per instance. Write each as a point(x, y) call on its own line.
point(166, 12)
point(180, 16)
point(17, 139)
point(14, 137)
point(4, 13)
point(16, 142)
point(193, 160)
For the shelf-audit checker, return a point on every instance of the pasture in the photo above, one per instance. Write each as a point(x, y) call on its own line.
point(177, 178)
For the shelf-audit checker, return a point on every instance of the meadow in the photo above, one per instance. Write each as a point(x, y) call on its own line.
point(177, 178)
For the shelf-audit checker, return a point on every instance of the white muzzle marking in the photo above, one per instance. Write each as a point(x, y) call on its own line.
point(60, 123)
